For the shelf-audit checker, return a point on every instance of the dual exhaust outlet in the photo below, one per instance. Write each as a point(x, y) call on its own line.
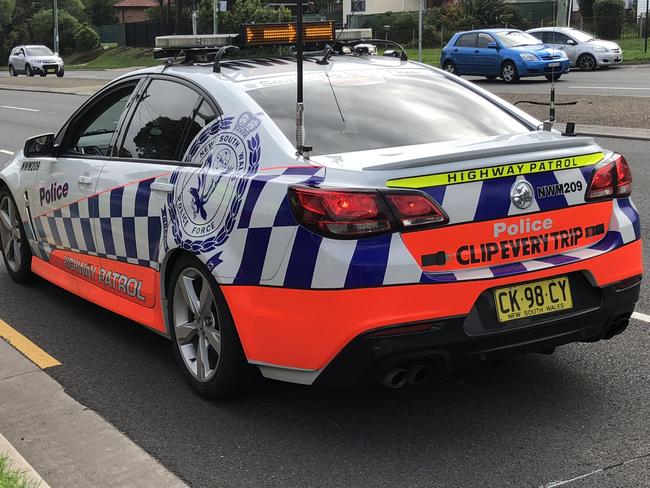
point(416, 374)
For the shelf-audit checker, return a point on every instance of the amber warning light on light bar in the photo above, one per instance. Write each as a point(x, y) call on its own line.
point(286, 33)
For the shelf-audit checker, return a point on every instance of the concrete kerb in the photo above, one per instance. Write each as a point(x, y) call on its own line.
point(613, 132)
point(18, 463)
point(85, 90)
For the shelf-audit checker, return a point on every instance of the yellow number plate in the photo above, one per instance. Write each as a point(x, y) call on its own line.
point(530, 299)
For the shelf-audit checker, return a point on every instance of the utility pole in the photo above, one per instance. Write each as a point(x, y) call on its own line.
point(194, 18)
point(420, 33)
point(647, 11)
point(55, 15)
point(215, 16)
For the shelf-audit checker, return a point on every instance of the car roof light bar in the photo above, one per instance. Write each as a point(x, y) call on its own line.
point(286, 33)
point(353, 34)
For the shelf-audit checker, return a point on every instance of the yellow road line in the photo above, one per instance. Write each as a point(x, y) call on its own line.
point(28, 348)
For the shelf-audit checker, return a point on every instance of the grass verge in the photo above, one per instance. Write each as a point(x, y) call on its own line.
point(114, 58)
point(10, 478)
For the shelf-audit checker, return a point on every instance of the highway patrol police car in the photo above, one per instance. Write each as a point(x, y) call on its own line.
point(429, 226)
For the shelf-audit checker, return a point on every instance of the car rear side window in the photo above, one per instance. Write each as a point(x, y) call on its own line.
point(202, 117)
point(466, 40)
point(381, 108)
point(483, 40)
point(159, 122)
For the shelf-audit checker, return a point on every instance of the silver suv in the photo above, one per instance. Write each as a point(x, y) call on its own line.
point(34, 60)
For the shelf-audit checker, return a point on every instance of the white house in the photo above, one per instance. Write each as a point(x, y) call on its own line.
point(366, 7)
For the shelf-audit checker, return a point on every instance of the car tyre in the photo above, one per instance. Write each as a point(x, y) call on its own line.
point(12, 71)
point(509, 72)
point(59, 73)
point(28, 70)
point(553, 77)
point(450, 67)
point(16, 252)
point(586, 62)
point(43, 74)
point(204, 337)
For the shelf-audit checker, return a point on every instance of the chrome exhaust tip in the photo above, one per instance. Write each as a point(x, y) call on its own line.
point(395, 378)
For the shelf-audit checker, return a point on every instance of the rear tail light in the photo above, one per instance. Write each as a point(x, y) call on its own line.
point(350, 214)
point(610, 179)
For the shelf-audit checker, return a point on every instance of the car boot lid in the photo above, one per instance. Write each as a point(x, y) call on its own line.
point(498, 149)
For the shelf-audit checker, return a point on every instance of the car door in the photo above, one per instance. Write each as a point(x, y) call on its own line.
point(486, 59)
point(64, 198)
point(19, 60)
point(463, 53)
point(561, 41)
point(168, 114)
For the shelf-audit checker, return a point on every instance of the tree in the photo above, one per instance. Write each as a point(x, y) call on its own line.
point(243, 11)
point(485, 13)
point(85, 38)
point(586, 8)
point(101, 12)
point(43, 31)
point(608, 16)
point(6, 13)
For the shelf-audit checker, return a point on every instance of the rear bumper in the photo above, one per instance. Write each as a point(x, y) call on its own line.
point(301, 332)
point(448, 347)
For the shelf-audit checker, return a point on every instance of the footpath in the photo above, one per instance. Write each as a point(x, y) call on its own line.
point(62, 444)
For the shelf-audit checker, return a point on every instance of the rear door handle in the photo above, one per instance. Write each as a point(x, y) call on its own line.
point(162, 187)
point(476, 51)
point(85, 180)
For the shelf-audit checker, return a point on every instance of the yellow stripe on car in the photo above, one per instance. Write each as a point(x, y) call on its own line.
point(492, 172)
point(37, 355)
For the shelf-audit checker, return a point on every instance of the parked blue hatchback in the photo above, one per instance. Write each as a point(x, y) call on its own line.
point(507, 53)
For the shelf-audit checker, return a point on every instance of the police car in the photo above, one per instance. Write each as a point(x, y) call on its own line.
point(401, 222)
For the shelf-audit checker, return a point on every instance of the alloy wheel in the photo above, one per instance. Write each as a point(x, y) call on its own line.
point(508, 73)
point(587, 63)
point(196, 324)
point(10, 233)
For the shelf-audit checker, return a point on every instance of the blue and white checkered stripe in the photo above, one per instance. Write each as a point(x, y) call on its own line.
point(114, 224)
point(256, 251)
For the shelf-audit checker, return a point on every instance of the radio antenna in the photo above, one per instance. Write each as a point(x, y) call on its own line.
point(300, 104)
point(551, 110)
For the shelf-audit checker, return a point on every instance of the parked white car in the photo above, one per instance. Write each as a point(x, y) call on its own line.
point(34, 60)
point(584, 50)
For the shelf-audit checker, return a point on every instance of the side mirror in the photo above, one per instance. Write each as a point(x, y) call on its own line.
point(571, 42)
point(39, 146)
point(493, 45)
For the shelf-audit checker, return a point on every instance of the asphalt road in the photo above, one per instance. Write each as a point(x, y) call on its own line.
point(633, 80)
point(530, 422)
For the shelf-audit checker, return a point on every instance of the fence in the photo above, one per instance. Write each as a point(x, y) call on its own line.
point(134, 34)
point(439, 36)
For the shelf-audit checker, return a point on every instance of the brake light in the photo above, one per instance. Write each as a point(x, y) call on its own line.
point(623, 177)
point(350, 214)
point(610, 179)
point(340, 213)
point(415, 209)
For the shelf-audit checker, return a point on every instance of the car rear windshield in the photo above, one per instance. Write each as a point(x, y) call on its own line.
point(362, 110)
point(39, 51)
